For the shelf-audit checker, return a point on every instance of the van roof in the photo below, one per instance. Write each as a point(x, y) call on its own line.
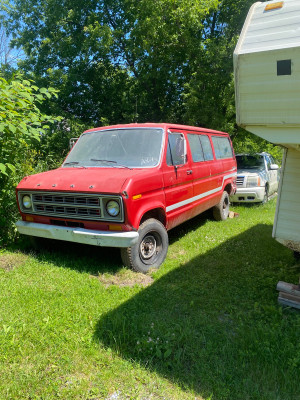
point(157, 125)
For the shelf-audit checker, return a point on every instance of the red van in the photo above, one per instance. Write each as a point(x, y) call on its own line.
point(127, 185)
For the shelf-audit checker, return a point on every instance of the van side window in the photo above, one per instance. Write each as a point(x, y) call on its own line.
point(175, 150)
point(206, 146)
point(196, 147)
point(222, 147)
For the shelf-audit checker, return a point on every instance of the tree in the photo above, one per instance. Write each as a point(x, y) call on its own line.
point(112, 59)
point(209, 93)
point(120, 61)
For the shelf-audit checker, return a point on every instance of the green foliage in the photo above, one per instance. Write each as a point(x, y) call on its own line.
point(120, 61)
point(21, 121)
point(21, 126)
point(245, 142)
point(54, 146)
point(113, 59)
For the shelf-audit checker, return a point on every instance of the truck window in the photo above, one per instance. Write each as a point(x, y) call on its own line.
point(222, 147)
point(196, 147)
point(268, 162)
point(175, 151)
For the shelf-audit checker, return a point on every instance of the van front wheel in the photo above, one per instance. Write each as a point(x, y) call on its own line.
point(221, 210)
point(151, 248)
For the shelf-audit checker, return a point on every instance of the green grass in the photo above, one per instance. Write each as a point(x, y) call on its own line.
point(74, 324)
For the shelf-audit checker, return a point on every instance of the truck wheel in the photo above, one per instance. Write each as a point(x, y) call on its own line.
point(151, 248)
point(297, 256)
point(266, 195)
point(221, 210)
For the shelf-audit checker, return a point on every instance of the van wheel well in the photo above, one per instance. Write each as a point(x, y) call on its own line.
point(157, 213)
point(228, 188)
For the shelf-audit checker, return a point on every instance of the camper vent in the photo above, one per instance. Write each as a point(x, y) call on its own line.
point(284, 67)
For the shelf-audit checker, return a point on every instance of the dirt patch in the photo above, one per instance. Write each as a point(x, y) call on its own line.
point(124, 278)
point(10, 261)
point(174, 255)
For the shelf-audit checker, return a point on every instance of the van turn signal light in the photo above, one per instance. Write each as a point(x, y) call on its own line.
point(274, 6)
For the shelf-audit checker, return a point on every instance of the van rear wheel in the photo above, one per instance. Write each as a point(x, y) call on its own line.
point(221, 210)
point(151, 249)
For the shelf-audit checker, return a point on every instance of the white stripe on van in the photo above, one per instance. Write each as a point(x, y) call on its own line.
point(200, 196)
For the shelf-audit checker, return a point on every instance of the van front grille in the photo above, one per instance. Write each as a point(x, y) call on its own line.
point(75, 206)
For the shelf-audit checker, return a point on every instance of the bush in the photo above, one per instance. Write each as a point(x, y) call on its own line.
point(22, 125)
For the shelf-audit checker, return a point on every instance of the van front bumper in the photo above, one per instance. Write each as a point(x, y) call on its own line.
point(249, 195)
point(79, 235)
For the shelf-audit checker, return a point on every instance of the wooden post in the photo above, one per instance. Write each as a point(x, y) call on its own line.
point(289, 294)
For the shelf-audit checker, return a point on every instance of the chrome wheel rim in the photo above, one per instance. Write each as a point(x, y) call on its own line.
point(225, 206)
point(148, 247)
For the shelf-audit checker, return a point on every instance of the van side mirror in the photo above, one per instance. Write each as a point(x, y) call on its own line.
point(274, 166)
point(72, 142)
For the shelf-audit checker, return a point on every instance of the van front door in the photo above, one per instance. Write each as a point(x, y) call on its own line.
point(178, 179)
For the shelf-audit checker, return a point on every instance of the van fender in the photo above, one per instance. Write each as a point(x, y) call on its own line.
point(155, 210)
point(229, 183)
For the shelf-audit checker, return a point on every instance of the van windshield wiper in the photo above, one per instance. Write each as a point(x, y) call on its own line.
point(71, 163)
point(111, 161)
point(75, 163)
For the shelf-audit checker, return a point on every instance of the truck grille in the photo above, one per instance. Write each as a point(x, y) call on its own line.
point(75, 206)
point(240, 181)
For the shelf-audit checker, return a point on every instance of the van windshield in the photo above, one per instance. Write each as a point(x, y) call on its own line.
point(245, 161)
point(117, 148)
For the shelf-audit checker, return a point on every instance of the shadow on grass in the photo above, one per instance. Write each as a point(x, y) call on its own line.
point(213, 325)
point(82, 258)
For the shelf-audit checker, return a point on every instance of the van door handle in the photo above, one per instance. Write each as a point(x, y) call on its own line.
point(189, 172)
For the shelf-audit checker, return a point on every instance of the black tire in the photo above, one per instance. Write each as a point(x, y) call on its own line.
point(297, 256)
point(151, 249)
point(221, 210)
point(266, 195)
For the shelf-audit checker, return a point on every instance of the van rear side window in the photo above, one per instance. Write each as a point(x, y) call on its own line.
point(222, 147)
point(200, 147)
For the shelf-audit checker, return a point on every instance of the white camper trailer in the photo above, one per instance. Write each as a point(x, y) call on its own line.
point(267, 84)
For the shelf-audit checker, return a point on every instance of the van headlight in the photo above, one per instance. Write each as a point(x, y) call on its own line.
point(26, 201)
point(253, 181)
point(113, 208)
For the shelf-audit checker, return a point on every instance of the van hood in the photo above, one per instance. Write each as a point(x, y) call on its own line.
point(79, 179)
